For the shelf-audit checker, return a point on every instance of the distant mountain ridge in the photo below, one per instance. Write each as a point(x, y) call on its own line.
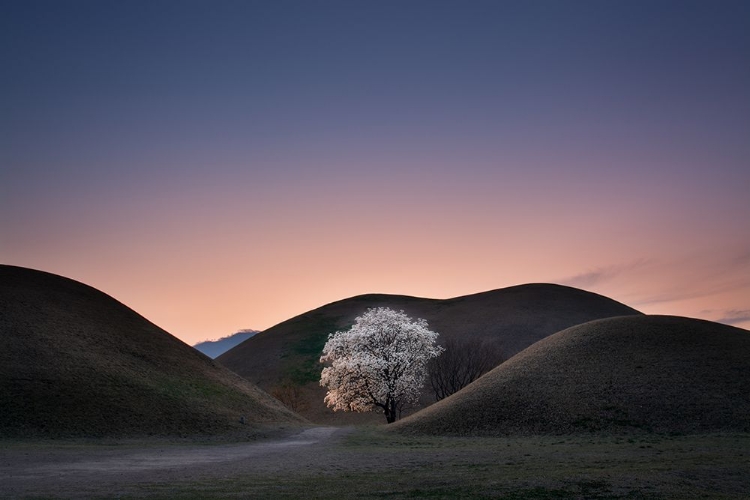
point(215, 348)
point(512, 318)
point(74, 362)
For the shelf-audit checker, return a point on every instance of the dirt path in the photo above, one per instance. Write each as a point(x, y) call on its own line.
point(87, 470)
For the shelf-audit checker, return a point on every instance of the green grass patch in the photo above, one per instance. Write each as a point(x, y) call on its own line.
point(301, 357)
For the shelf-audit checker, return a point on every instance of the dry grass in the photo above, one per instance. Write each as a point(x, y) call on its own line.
point(659, 374)
point(75, 362)
point(512, 318)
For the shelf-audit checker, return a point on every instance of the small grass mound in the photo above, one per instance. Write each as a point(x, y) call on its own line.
point(75, 362)
point(638, 373)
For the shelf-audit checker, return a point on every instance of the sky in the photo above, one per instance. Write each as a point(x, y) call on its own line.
point(221, 165)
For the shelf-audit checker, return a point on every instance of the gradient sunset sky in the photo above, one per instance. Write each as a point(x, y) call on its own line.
point(223, 165)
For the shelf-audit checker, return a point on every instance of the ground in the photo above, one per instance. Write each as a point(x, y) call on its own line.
point(330, 462)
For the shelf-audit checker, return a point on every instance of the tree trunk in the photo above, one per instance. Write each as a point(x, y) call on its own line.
point(390, 411)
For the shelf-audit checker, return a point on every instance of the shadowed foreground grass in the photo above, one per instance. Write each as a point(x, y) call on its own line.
point(370, 463)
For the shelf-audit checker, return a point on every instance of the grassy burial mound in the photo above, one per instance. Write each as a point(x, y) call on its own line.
point(284, 359)
point(648, 373)
point(75, 362)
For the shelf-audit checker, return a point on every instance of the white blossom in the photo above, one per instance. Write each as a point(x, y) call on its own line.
point(379, 363)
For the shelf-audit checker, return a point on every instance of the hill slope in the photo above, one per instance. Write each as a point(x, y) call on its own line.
point(653, 373)
point(75, 362)
point(514, 318)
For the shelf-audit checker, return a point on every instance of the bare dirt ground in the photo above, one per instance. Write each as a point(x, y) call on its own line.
point(326, 462)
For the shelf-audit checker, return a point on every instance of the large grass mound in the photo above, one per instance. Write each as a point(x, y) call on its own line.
point(285, 357)
point(648, 373)
point(75, 362)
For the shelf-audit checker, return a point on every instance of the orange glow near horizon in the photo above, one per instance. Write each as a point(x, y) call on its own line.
point(206, 271)
point(229, 171)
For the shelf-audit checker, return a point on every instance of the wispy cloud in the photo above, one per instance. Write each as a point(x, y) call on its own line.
point(603, 274)
point(735, 316)
point(700, 290)
point(675, 284)
point(702, 276)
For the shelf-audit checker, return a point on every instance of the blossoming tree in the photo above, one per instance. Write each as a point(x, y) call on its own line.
point(379, 363)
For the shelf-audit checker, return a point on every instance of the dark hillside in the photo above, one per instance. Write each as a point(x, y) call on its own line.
point(638, 373)
point(513, 318)
point(75, 362)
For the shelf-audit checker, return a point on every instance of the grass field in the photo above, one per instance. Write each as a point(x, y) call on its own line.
point(518, 468)
point(373, 463)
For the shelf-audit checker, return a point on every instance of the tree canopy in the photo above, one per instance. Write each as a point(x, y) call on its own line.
point(379, 363)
